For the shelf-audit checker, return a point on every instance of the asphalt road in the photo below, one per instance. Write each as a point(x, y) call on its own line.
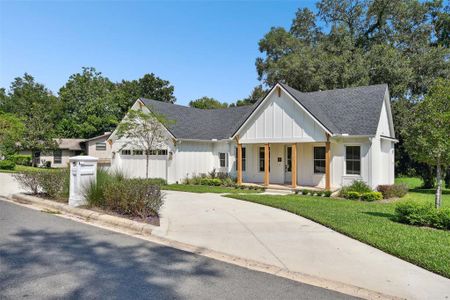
point(44, 256)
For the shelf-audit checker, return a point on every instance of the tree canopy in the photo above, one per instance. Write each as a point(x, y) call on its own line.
point(401, 43)
point(207, 103)
point(427, 131)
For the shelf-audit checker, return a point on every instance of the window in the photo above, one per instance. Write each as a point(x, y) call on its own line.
point(223, 159)
point(353, 160)
point(125, 152)
point(138, 152)
point(319, 160)
point(262, 158)
point(57, 156)
point(100, 146)
point(289, 159)
point(244, 159)
point(158, 152)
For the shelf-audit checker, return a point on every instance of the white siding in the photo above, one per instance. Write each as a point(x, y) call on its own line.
point(281, 119)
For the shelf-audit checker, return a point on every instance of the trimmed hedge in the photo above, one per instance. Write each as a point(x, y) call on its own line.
point(371, 196)
point(393, 190)
point(415, 213)
point(352, 195)
point(7, 165)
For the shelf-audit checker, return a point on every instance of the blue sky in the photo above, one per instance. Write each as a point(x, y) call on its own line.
point(203, 48)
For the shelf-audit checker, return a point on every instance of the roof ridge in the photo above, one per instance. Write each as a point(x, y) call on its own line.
point(195, 108)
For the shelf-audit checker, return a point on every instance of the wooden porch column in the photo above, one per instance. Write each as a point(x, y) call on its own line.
point(266, 164)
point(239, 163)
point(327, 163)
point(294, 165)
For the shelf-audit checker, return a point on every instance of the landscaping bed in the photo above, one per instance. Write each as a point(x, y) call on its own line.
point(112, 193)
point(209, 189)
point(372, 223)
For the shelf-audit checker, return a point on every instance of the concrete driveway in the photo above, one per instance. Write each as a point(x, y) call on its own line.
point(279, 238)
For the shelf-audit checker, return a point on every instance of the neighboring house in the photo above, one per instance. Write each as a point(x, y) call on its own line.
point(99, 147)
point(323, 139)
point(59, 158)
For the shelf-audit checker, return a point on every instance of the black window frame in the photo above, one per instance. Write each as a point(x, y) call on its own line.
point(138, 152)
point(57, 159)
point(125, 152)
point(262, 159)
point(353, 159)
point(289, 159)
point(319, 162)
point(243, 160)
point(224, 160)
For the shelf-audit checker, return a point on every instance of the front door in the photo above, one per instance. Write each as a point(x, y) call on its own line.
point(288, 165)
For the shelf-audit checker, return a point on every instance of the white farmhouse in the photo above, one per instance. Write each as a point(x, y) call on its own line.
point(324, 139)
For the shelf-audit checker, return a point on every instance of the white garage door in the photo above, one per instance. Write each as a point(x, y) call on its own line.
point(134, 166)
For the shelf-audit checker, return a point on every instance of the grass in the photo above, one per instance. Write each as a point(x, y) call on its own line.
point(373, 224)
point(206, 189)
point(20, 168)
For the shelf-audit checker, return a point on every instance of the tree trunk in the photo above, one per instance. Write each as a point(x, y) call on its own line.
point(438, 197)
point(146, 165)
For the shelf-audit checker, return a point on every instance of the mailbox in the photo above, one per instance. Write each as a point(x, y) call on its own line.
point(83, 171)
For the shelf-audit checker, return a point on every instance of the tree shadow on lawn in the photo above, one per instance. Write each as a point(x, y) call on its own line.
point(429, 191)
point(69, 265)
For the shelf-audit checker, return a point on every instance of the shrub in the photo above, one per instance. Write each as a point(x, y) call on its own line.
point(55, 183)
point(28, 180)
point(228, 181)
point(18, 159)
point(352, 195)
point(393, 190)
point(442, 218)
point(134, 197)
point(319, 193)
point(414, 213)
point(327, 193)
point(305, 192)
point(210, 181)
point(357, 186)
point(371, 196)
point(7, 165)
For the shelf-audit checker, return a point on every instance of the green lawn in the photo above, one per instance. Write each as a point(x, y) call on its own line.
point(20, 168)
point(372, 224)
point(205, 189)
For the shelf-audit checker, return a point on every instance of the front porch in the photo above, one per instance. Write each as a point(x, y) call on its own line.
point(284, 187)
point(291, 166)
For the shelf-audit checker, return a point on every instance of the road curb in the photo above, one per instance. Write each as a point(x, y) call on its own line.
point(144, 232)
point(88, 215)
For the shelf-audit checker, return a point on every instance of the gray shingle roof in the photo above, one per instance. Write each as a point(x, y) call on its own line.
point(201, 124)
point(353, 111)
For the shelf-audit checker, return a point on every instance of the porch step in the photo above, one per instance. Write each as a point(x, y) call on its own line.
point(278, 192)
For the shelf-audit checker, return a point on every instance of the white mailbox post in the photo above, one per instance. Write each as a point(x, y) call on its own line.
point(83, 170)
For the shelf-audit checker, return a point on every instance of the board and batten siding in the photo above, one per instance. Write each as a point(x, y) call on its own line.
point(281, 119)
